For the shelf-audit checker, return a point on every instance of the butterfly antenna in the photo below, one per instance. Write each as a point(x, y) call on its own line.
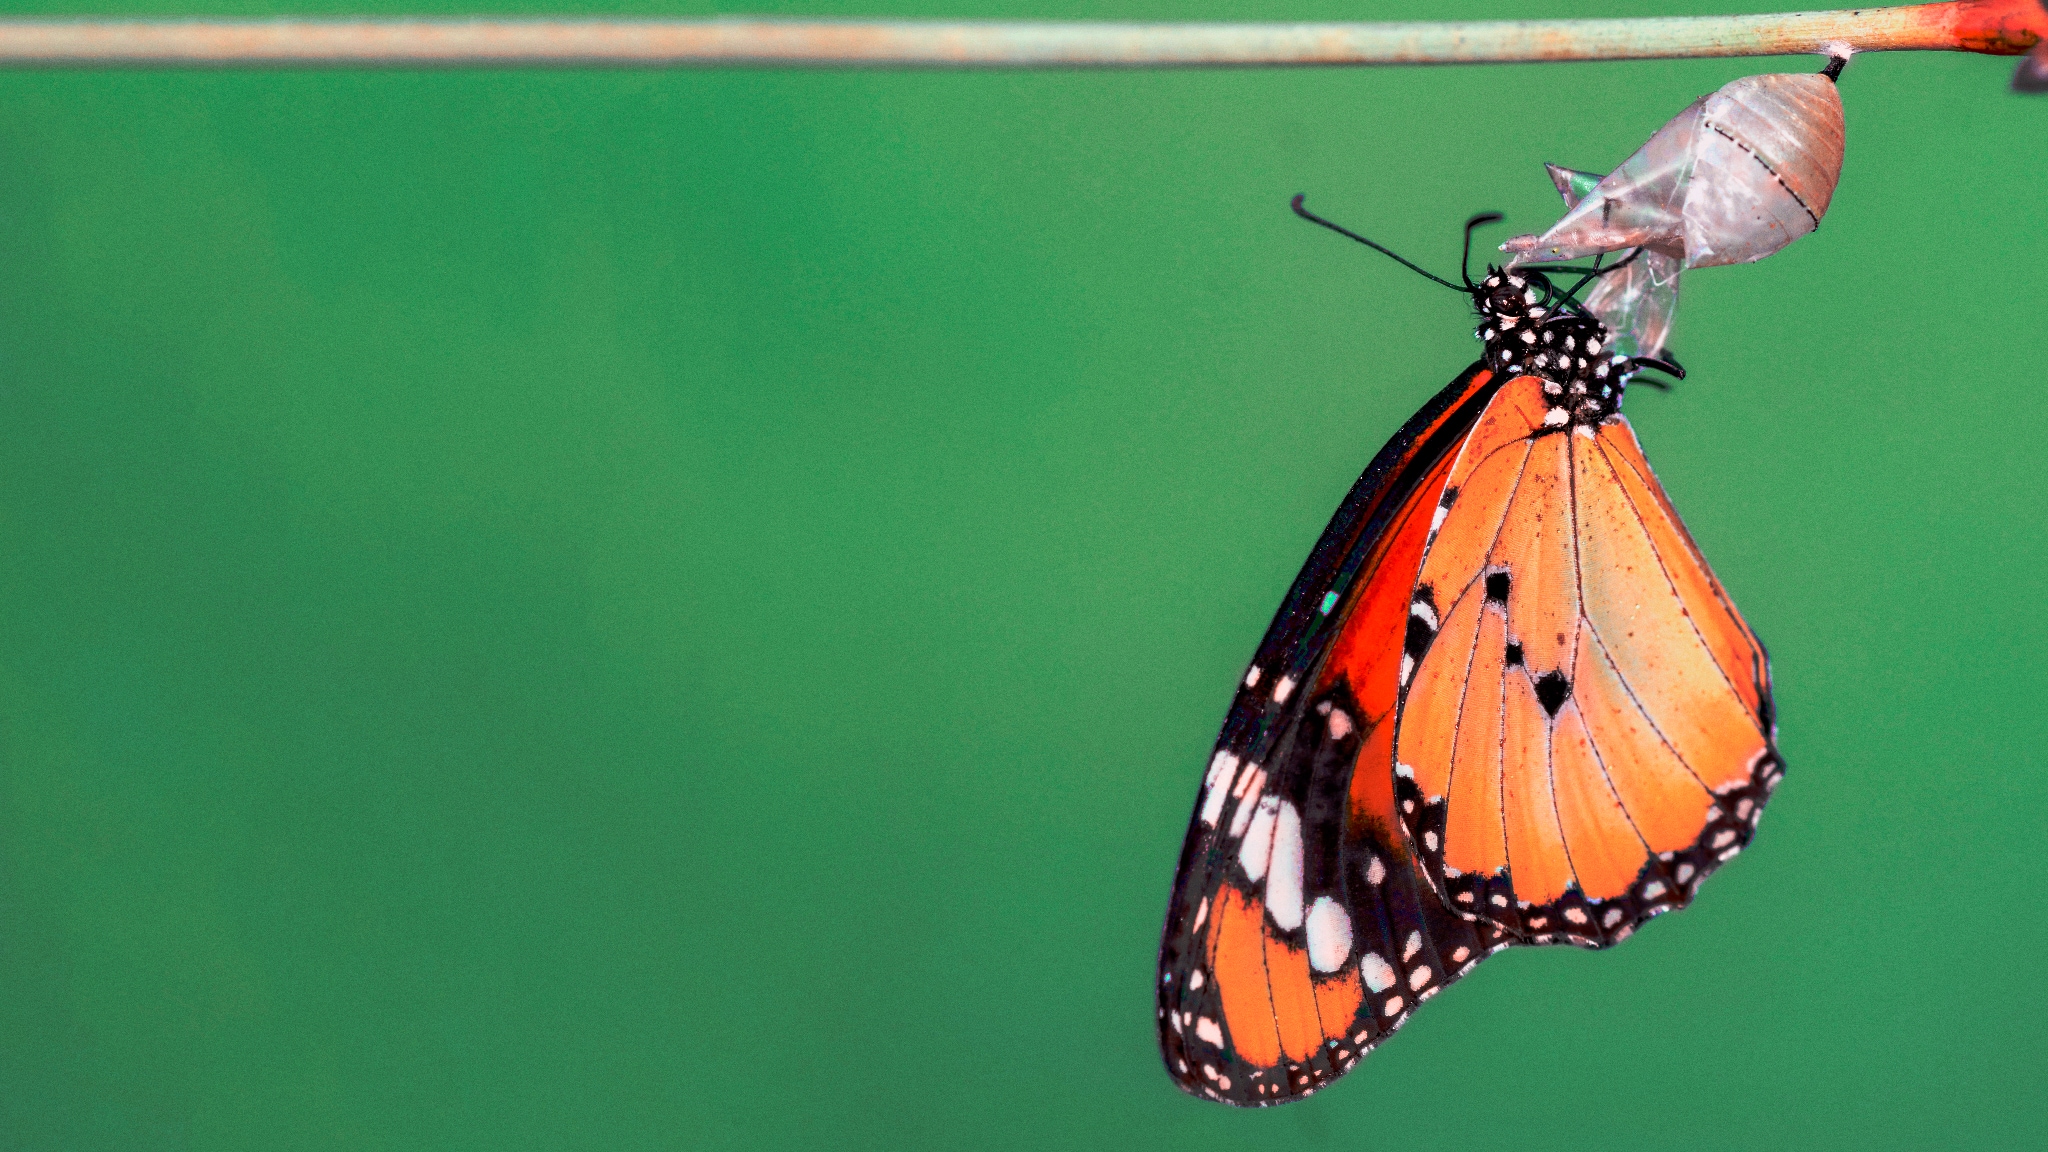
point(1465, 261)
point(1565, 300)
point(1340, 230)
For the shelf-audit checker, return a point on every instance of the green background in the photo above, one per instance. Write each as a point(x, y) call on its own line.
point(687, 610)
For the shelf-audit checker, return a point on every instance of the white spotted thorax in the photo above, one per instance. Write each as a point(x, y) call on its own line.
point(1526, 334)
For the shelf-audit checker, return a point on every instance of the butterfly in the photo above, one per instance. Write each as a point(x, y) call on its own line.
point(1505, 702)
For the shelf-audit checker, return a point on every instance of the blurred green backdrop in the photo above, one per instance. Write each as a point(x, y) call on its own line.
point(686, 610)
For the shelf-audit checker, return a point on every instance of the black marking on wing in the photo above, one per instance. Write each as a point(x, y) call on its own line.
point(1497, 585)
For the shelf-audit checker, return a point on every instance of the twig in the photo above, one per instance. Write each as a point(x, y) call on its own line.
point(2001, 27)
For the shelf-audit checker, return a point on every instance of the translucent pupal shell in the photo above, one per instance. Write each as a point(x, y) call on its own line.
point(1638, 301)
point(1739, 174)
point(1770, 151)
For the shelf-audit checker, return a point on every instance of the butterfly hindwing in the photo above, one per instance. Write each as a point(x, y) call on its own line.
point(1586, 730)
point(1320, 940)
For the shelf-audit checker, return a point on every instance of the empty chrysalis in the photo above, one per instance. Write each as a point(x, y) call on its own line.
point(1739, 174)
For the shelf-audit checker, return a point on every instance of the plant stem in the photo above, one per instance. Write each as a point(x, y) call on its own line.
point(2000, 27)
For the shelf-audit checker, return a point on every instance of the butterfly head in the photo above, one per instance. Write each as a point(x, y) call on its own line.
point(1513, 296)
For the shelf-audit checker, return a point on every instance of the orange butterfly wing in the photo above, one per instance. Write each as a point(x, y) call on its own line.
point(1300, 932)
point(1585, 728)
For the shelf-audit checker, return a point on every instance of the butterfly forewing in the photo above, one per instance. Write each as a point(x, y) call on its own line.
point(1584, 731)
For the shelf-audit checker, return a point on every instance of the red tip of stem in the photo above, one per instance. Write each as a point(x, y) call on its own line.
point(2000, 27)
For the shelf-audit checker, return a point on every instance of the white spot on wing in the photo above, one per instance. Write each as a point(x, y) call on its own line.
point(1208, 1030)
point(1248, 783)
point(1329, 935)
point(1376, 871)
point(1413, 946)
point(1377, 973)
point(1283, 887)
point(1251, 678)
point(1222, 773)
point(1258, 840)
point(1283, 690)
point(1248, 786)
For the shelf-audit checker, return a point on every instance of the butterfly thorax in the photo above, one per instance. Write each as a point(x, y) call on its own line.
point(1526, 336)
